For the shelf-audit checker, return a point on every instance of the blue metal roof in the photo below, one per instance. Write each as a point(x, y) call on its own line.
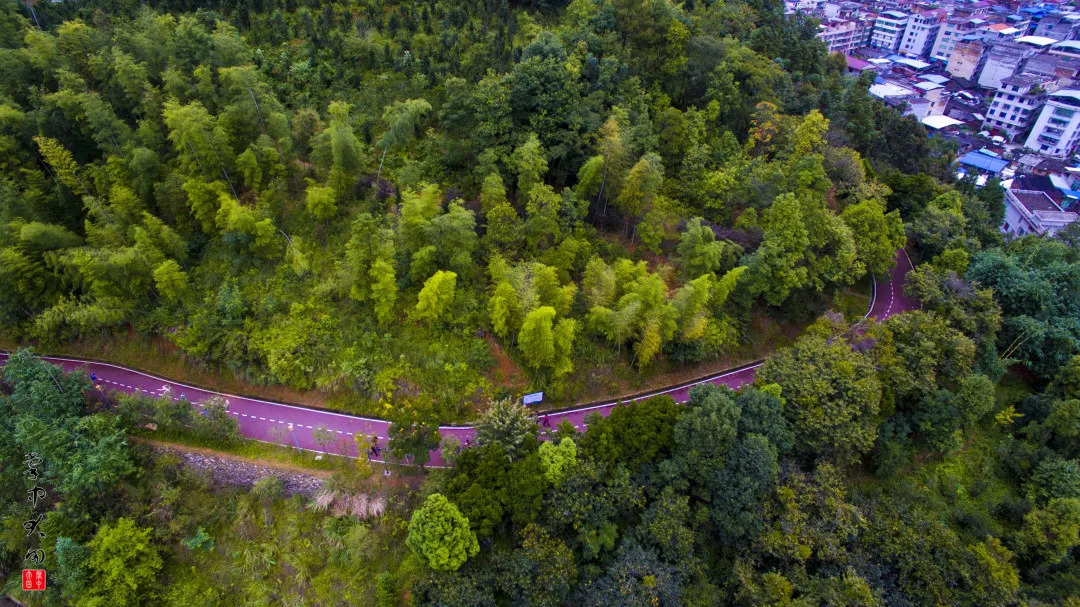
point(1070, 195)
point(984, 162)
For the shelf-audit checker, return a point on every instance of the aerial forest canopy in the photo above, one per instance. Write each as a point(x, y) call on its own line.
point(385, 197)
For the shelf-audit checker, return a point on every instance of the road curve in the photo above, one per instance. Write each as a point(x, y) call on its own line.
point(270, 421)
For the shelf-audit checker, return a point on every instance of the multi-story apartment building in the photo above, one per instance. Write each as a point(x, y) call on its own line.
point(843, 35)
point(951, 32)
point(1057, 130)
point(1002, 60)
point(1059, 26)
point(842, 10)
point(803, 6)
point(967, 58)
point(922, 31)
point(968, 10)
point(1034, 212)
point(1016, 104)
point(889, 30)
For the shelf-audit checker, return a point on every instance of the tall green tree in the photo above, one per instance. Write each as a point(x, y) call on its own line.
point(831, 395)
point(123, 565)
point(401, 119)
point(440, 535)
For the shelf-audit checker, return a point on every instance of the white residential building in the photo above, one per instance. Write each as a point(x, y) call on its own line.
point(1057, 131)
point(889, 30)
point(1016, 105)
point(1033, 212)
point(951, 32)
point(803, 6)
point(922, 31)
point(842, 35)
point(841, 10)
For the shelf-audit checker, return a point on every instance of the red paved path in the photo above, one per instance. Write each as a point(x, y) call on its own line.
point(256, 416)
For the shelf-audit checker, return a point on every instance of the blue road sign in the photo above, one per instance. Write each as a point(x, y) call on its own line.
point(535, 397)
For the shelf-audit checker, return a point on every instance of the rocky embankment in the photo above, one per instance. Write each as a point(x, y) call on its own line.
point(232, 471)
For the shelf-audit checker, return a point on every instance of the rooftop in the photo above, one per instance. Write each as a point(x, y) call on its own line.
point(935, 78)
point(1030, 160)
point(1039, 41)
point(1071, 94)
point(1037, 183)
point(940, 122)
point(1003, 28)
point(1010, 49)
point(1021, 80)
point(1052, 165)
point(889, 89)
point(855, 63)
point(1035, 200)
point(983, 161)
point(914, 64)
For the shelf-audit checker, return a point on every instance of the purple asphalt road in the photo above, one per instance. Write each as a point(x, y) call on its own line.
point(257, 417)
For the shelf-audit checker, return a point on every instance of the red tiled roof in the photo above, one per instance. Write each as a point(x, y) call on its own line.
point(857, 64)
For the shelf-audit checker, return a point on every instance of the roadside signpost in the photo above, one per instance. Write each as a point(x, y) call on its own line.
point(531, 399)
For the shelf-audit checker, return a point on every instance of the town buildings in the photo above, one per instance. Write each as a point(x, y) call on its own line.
point(1003, 59)
point(966, 58)
point(1034, 212)
point(951, 32)
point(1057, 130)
point(843, 35)
point(889, 30)
point(1062, 26)
point(1016, 105)
point(922, 31)
point(1010, 68)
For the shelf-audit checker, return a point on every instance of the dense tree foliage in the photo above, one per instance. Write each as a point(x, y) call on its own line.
point(351, 195)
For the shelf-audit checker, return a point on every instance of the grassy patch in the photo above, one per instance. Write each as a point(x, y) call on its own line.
point(854, 301)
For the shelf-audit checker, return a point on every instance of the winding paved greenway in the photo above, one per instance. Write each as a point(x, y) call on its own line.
point(257, 417)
